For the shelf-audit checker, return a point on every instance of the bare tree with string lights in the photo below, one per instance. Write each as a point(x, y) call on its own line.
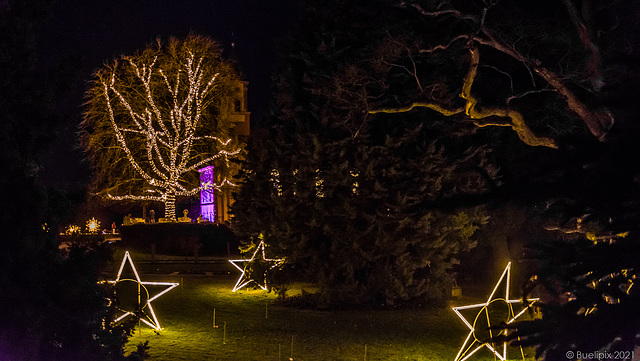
point(154, 118)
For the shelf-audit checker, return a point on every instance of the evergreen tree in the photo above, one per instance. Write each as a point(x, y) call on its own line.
point(568, 69)
point(349, 203)
point(585, 277)
point(558, 76)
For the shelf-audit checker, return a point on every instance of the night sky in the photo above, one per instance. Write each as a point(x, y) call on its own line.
point(86, 34)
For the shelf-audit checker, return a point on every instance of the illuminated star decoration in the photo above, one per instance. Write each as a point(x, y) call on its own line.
point(147, 310)
point(257, 258)
point(472, 343)
point(93, 225)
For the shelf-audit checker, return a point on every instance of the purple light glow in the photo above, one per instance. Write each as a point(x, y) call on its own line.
point(207, 197)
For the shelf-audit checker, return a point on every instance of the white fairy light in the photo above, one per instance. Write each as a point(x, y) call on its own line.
point(169, 135)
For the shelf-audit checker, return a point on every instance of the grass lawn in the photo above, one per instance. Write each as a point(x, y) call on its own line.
point(186, 315)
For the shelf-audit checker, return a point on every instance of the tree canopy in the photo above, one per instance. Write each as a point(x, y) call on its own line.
point(542, 94)
point(559, 75)
point(504, 64)
point(154, 118)
point(349, 205)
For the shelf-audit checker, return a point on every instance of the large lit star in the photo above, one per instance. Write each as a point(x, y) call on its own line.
point(259, 264)
point(487, 313)
point(144, 298)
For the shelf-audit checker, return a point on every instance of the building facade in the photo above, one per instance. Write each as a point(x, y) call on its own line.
point(215, 204)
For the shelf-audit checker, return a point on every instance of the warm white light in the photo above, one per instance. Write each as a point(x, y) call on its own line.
point(275, 181)
point(93, 225)
point(355, 186)
point(258, 254)
point(151, 319)
point(72, 229)
point(319, 184)
point(168, 131)
point(469, 348)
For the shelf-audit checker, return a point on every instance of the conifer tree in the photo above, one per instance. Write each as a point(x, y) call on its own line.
point(560, 81)
point(349, 205)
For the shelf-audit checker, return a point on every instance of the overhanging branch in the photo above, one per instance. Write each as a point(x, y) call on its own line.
point(408, 108)
point(481, 116)
point(598, 122)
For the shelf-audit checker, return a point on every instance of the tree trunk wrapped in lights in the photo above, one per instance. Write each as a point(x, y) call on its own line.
point(154, 118)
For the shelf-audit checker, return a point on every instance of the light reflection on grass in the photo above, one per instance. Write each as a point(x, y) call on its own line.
point(186, 315)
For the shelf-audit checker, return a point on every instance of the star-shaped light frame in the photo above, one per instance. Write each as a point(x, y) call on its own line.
point(469, 348)
point(93, 225)
point(151, 320)
point(245, 279)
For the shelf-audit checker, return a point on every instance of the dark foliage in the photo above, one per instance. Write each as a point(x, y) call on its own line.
point(345, 201)
point(183, 239)
point(52, 307)
point(388, 54)
point(586, 280)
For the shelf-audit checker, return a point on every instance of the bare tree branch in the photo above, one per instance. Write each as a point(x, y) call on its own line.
point(598, 122)
point(503, 73)
point(452, 12)
point(444, 46)
point(480, 116)
point(524, 94)
point(593, 64)
point(434, 106)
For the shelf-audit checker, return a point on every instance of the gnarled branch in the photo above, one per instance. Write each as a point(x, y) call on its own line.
point(598, 122)
point(433, 106)
point(481, 116)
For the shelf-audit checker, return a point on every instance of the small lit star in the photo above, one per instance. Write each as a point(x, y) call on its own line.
point(257, 262)
point(93, 225)
point(473, 343)
point(147, 310)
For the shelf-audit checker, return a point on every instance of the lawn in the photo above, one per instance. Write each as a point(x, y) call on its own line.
point(252, 327)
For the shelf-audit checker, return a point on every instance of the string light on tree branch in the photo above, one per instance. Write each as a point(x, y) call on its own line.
point(162, 111)
point(475, 340)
